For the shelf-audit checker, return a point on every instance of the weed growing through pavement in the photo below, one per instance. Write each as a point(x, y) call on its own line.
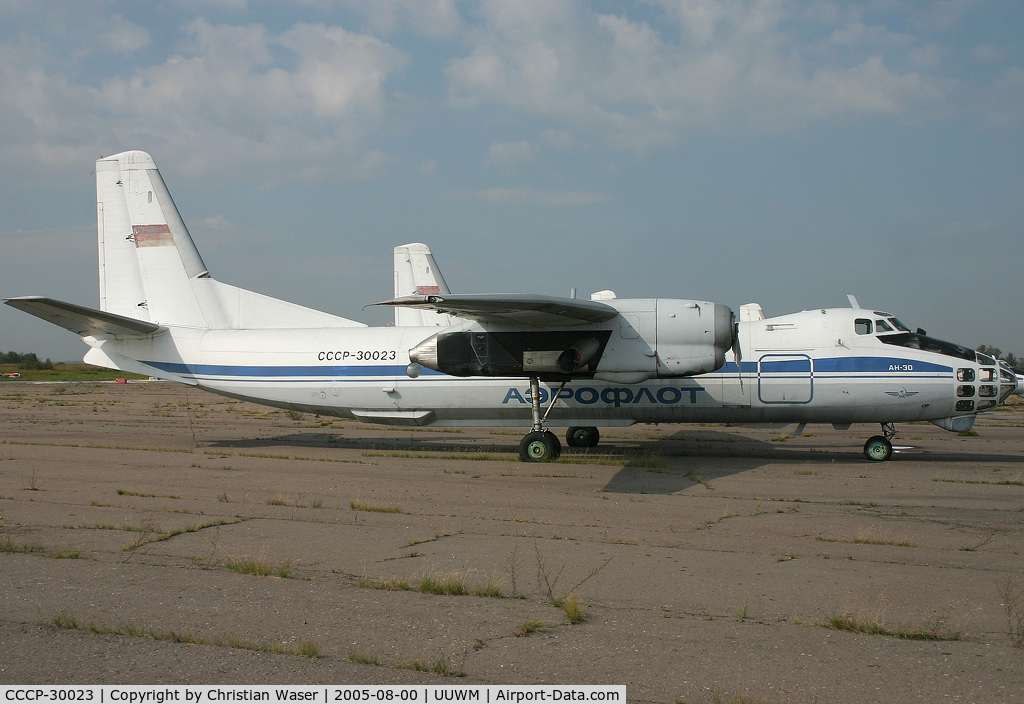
point(31, 483)
point(442, 583)
point(442, 666)
point(125, 492)
point(548, 577)
point(7, 545)
point(357, 505)
point(935, 628)
point(573, 609)
point(65, 620)
point(258, 566)
point(150, 532)
point(361, 659)
point(1011, 592)
point(531, 626)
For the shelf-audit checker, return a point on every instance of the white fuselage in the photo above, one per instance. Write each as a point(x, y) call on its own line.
point(807, 367)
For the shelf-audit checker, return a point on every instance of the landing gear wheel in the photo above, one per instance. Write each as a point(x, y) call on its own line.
point(540, 446)
point(878, 448)
point(578, 436)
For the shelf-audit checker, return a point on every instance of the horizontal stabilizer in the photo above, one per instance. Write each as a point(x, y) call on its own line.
point(84, 321)
point(515, 308)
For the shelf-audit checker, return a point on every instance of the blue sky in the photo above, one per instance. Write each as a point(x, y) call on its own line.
point(785, 153)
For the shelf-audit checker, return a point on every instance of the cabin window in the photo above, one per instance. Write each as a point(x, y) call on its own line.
point(898, 325)
point(965, 390)
point(863, 326)
point(965, 375)
point(986, 390)
point(986, 374)
point(883, 326)
point(965, 405)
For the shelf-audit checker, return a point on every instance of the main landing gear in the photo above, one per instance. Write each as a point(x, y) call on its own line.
point(542, 445)
point(878, 448)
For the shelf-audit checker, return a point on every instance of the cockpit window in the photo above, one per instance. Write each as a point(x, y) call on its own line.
point(928, 344)
point(883, 326)
point(862, 326)
point(898, 325)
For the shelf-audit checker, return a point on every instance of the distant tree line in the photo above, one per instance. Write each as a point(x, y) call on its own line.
point(1009, 357)
point(25, 361)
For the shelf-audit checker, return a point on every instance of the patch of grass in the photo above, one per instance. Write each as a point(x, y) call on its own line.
point(866, 540)
point(451, 584)
point(357, 505)
point(223, 496)
point(935, 629)
point(968, 434)
point(477, 456)
point(441, 583)
point(698, 478)
point(8, 546)
point(258, 566)
point(308, 649)
point(573, 609)
point(532, 626)
point(150, 533)
point(361, 659)
point(649, 459)
point(295, 415)
point(125, 492)
point(1004, 482)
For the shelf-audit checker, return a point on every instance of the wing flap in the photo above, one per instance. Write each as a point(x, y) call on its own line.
point(515, 308)
point(83, 321)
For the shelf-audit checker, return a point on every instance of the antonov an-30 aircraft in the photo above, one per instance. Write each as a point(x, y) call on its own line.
point(502, 359)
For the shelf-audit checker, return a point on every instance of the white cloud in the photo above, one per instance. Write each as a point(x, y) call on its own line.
point(432, 18)
point(559, 139)
point(532, 196)
point(988, 53)
point(641, 86)
point(223, 101)
point(510, 153)
point(123, 36)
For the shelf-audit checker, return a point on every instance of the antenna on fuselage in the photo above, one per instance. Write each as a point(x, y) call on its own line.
point(853, 300)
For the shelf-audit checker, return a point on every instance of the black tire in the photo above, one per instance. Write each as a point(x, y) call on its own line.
point(878, 448)
point(540, 446)
point(579, 436)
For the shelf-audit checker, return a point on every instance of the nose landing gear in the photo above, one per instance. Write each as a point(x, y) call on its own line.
point(878, 448)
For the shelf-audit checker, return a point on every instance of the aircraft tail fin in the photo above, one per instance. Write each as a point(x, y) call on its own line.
point(151, 270)
point(750, 312)
point(417, 274)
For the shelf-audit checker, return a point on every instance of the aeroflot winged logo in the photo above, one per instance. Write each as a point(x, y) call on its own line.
point(902, 393)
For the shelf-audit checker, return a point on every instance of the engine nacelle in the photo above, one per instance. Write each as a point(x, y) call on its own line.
point(649, 338)
point(693, 337)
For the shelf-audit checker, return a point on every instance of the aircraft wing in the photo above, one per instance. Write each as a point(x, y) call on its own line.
point(81, 320)
point(515, 308)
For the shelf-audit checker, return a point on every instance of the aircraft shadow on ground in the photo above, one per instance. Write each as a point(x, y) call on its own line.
point(667, 465)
